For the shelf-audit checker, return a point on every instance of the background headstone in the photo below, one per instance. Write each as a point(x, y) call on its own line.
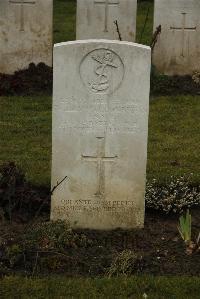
point(95, 19)
point(100, 124)
point(25, 33)
point(177, 51)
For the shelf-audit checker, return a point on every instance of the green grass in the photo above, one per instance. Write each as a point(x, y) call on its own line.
point(134, 287)
point(144, 14)
point(25, 130)
point(64, 20)
point(174, 137)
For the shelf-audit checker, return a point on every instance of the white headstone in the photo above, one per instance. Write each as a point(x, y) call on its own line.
point(177, 51)
point(95, 19)
point(100, 124)
point(25, 33)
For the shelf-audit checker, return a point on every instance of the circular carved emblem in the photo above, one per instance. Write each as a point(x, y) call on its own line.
point(102, 71)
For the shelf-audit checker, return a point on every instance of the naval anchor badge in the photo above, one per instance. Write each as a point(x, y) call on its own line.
point(102, 71)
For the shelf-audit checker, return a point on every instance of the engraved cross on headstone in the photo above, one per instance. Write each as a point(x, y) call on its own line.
point(183, 28)
point(22, 3)
point(107, 4)
point(100, 158)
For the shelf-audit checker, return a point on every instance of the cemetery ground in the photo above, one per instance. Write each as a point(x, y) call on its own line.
point(61, 263)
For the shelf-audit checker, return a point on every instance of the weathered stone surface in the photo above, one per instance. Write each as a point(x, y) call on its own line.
point(177, 51)
point(95, 19)
point(100, 123)
point(25, 33)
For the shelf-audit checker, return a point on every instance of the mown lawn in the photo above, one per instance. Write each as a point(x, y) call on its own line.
point(144, 22)
point(25, 130)
point(135, 287)
point(173, 148)
point(64, 20)
point(174, 137)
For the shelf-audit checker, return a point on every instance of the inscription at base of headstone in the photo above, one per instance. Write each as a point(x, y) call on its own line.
point(178, 48)
point(25, 33)
point(96, 19)
point(100, 124)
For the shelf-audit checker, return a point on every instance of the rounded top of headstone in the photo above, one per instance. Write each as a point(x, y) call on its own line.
point(101, 42)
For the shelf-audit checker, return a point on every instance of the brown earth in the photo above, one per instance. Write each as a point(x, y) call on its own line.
point(36, 79)
point(158, 246)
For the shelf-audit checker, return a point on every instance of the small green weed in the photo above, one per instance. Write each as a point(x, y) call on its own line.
point(185, 230)
point(185, 227)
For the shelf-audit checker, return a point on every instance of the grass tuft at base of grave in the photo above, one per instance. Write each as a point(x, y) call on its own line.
point(136, 287)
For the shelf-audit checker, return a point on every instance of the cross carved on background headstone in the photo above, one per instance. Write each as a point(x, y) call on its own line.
point(22, 3)
point(107, 4)
point(183, 28)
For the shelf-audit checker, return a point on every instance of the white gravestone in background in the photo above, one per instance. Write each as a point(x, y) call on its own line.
point(177, 51)
point(25, 33)
point(95, 19)
point(100, 124)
